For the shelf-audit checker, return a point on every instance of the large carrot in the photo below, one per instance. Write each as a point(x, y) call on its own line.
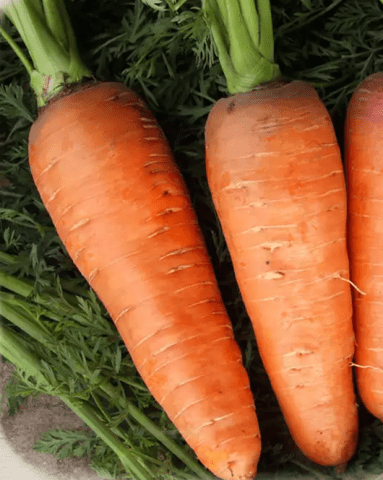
point(275, 173)
point(364, 167)
point(108, 179)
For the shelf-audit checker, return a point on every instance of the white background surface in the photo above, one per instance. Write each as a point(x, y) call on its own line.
point(12, 467)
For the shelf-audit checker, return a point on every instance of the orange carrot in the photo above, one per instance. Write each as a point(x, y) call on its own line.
point(107, 177)
point(275, 173)
point(364, 166)
point(278, 186)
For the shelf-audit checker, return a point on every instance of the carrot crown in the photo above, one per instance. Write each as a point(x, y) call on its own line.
point(45, 28)
point(243, 34)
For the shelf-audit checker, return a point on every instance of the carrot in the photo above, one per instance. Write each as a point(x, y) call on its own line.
point(275, 173)
point(107, 177)
point(363, 132)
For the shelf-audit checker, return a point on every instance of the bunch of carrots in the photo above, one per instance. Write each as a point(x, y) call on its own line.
point(109, 181)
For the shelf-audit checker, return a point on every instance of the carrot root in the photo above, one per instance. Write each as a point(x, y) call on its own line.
point(114, 192)
point(364, 167)
point(275, 172)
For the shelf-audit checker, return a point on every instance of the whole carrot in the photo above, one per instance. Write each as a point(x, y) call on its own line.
point(107, 177)
point(364, 166)
point(121, 208)
point(275, 173)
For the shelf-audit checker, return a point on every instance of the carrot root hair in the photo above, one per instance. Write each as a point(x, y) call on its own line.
point(366, 366)
point(338, 275)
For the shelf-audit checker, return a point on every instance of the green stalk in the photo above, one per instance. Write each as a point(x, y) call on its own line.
point(266, 44)
point(45, 28)
point(14, 349)
point(25, 288)
point(17, 352)
point(7, 258)
point(27, 64)
point(87, 415)
point(24, 319)
point(27, 323)
point(243, 34)
point(16, 285)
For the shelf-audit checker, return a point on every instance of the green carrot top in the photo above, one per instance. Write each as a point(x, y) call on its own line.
point(243, 34)
point(45, 28)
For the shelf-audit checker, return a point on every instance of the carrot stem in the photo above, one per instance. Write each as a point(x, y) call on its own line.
point(266, 41)
point(23, 59)
point(45, 28)
point(23, 319)
point(131, 464)
point(243, 34)
point(7, 258)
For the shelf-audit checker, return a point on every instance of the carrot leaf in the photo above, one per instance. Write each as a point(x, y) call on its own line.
point(12, 102)
point(65, 444)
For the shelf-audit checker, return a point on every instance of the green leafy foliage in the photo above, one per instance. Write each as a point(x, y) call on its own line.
point(80, 443)
point(66, 444)
point(13, 394)
point(12, 102)
point(163, 49)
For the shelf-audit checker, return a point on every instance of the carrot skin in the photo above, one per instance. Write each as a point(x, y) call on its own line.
point(275, 173)
point(110, 184)
point(364, 166)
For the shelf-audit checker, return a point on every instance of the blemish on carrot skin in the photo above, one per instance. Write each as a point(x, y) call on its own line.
point(225, 180)
point(114, 98)
point(299, 353)
point(159, 231)
point(169, 210)
point(273, 245)
point(231, 107)
point(158, 170)
point(272, 275)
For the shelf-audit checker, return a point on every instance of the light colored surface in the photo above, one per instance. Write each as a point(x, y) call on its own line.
point(19, 433)
point(12, 466)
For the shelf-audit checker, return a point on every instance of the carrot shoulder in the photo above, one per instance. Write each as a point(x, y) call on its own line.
point(108, 179)
point(275, 173)
point(363, 134)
